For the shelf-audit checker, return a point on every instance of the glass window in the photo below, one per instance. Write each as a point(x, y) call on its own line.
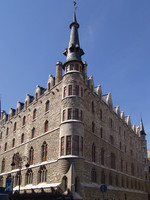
point(68, 145)
point(62, 146)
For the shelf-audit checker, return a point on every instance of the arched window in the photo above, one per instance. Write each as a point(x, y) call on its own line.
point(93, 127)
point(47, 106)
point(33, 133)
point(29, 176)
point(13, 142)
point(24, 121)
point(18, 178)
point(31, 156)
point(42, 174)
point(1, 181)
point(46, 126)
point(93, 153)
point(7, 131)
point(44, 152)
point(103, 178)
point(65, 183)
point(15, 126)
point(3, 165)
point(102, 156)
point(34, 114)
point(93, 175)
point(5, 149)
point(22, 138)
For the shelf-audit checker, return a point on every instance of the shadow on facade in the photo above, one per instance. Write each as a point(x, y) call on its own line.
point(42, 195)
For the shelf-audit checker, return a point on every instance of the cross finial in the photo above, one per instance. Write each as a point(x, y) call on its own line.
point(74, 2)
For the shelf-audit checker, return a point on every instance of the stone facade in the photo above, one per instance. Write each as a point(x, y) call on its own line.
point(73, 138)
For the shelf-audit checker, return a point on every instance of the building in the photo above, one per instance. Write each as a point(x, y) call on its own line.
point(72, 138)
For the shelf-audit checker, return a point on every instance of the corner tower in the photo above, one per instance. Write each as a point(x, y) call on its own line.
point(72, 126)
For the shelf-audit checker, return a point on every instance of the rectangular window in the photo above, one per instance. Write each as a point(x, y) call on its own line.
point(77, 90)
point(81, 92)
point(76, 114)
point(81, 146)
point(62, 146)
point(64, 115)
point(64, 91)
point(69, 113)
point(68, 145)
point(71, 67)
point(76, 145)
point(77, 67)
point(70, 90)
point(81, 115)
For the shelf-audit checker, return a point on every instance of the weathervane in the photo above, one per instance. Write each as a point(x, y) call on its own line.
point(75, 7)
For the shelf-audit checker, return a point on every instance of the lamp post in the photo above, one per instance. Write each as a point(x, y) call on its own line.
point(20, 161)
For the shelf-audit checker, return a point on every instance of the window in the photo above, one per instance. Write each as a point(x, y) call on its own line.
point(92, 107)
point(120, 146)
point(69, 113)
point(42, 174)
point(121, 165)
point(1, 134)
point(64, 91)
point(3, 165)
point(22, 138)
point(16, 159)
point(46, 126)
point(93, 175)
point(81, 146)
point(29, 176)
point(132, 169)
point(18, 178)
point(77, 90)
point(44, 152)
point(64, 183)
point(101, 114)
point(47, 106)
point(113, 161)
point(102, 156)
point(122, 181)
point(77, 67)
point(117, 180)
point(7, 131)
point(110, 179)
point(64, 115)
point(33, 133)
point(71, 66)
point(76, 184)
point(31, 156)
point(93, 153)
point(68, 145)
point(76, 114)
point(15, 126)
point(111, 123)
point(101, 133)
point(81, 115)
point(70, 90)
point(76, 145)
point(62, 146)
point(111, 140)
point(13, 143)
point(24, 121)
point(34, 114)
point(103, 178)
point(5, 149)
point(93, 127)
point(81, 92)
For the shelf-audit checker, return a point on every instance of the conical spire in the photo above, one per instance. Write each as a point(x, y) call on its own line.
point(74, 52)
point(142, 131)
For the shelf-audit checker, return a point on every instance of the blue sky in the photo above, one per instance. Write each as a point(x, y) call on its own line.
point(114, 34)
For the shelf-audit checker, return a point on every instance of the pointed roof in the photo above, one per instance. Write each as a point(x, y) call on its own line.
point(142, 131)
point(73, 52)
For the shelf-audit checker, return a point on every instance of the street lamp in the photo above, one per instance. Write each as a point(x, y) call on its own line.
point(20, 161)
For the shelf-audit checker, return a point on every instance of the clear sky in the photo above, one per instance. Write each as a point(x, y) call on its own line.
point(114, 34)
